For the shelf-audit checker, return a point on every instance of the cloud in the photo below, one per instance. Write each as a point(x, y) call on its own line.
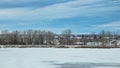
point(112, 24)
point(28, 3)
point(57, 10)
point(109, 26)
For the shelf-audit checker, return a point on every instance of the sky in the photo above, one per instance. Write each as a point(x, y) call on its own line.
point(81, 16)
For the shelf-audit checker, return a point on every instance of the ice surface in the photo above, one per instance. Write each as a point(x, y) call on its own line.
point(58, 57)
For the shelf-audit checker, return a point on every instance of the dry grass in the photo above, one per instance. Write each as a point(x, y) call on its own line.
point(62, 46)
point(95, 47)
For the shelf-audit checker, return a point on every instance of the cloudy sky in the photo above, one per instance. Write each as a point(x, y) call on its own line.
point(81, 16)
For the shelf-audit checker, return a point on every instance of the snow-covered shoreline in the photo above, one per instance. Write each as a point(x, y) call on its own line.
point(55, 46)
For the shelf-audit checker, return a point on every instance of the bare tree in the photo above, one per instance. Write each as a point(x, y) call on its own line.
point(67, 36)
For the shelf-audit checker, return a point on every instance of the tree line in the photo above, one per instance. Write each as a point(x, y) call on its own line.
point(38, 37)
point(27, 37)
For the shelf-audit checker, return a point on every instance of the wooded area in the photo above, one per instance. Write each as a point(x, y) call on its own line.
point(38, 37)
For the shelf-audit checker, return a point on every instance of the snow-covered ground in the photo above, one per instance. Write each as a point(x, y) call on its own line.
point(59, 58)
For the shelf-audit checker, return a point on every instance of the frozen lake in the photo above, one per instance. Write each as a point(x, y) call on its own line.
point(59, 58)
